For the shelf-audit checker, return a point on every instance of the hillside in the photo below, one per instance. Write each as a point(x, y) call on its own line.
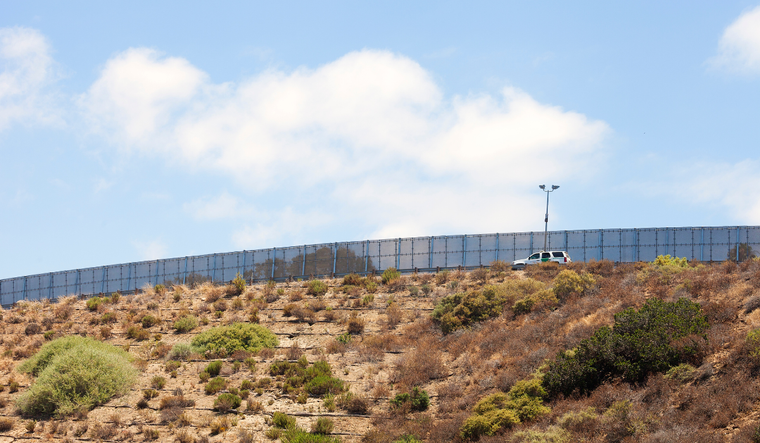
point(488, 361)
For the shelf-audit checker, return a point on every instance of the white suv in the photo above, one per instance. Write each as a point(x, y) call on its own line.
point(560, 257)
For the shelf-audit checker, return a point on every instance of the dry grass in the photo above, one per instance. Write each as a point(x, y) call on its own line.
point(395, 346)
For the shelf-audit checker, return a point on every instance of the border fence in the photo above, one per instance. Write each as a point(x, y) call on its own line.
point(424, 254)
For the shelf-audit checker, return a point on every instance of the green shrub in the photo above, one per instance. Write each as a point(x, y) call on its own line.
point(108, 317)
point(215, 385)
point(417, 400)
point(463, 309)
point(371, 287)
point(324, 384)
point(75, 373)
point(523, 402)
point(657, 337)
point(354, 404)
point(353, 280)
point(667, 260)
point(186, 323)
point(239, 284)
point(160, 289)
point(158, 382)
point(298, 435)
point(137, 333)
point(682, 373)
point(569, 282)
point(551, 435)
point(238, 336)
point(283, 421)
point(753, 343)
point(316, 288)
point(149, 321)
point(487, 424)
point(48, 352)
point(214, 368)
point(323, 425)
point(407, 438)
point(225, 402)
point(94, 303)
point(172, 365)
point(390, 275)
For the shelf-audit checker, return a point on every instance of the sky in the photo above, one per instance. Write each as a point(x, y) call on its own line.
point(142, 130)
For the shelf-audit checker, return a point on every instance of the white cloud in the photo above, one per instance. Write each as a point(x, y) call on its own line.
point(137, 92)
point(26, 68)
point(368, 138)
point(221, 207)
point(739, 47)
point(151, 249)
point(734, 186)
point(276, 225)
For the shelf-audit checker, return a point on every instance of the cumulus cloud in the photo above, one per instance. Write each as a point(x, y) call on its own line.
point(368, 137)
point(26, 68)
point(137, 92)
point(739, 47)
point(735, 186)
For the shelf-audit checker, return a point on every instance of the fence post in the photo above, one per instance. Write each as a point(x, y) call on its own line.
point(366, 256)
point(50, 287)
point(335, 256)
point(497, 246)
point(445, 251)
point(103, 281)
point(243, 271)
point(737, 244)
point(413, 255)
point(398, 253)
point(430, 253)
point(635, 245)
point(601, 244)
point(184, 274)
point(531, 243)
point(25, 287)
point(667, 241)
point(274, 259)
point(464, 250)
point(303, 261)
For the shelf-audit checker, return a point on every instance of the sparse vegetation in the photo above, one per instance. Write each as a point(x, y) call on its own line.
point(508, 355)
point(186, 324)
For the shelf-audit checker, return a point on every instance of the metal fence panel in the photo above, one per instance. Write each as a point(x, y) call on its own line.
point(619, 245)
point(421, 256)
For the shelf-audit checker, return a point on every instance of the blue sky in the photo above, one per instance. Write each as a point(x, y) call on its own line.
point(142, 130)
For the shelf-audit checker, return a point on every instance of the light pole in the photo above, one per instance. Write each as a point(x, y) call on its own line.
point(546, 219)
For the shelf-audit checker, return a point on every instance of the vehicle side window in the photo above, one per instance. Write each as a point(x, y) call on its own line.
point(558, 254)
point(546, 255)
point(534, 256)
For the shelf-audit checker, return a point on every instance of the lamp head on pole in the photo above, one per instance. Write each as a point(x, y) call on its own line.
point(555, 187)
point(542, 187)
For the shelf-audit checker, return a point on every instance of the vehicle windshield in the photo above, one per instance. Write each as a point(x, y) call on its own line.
point(534, 256)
